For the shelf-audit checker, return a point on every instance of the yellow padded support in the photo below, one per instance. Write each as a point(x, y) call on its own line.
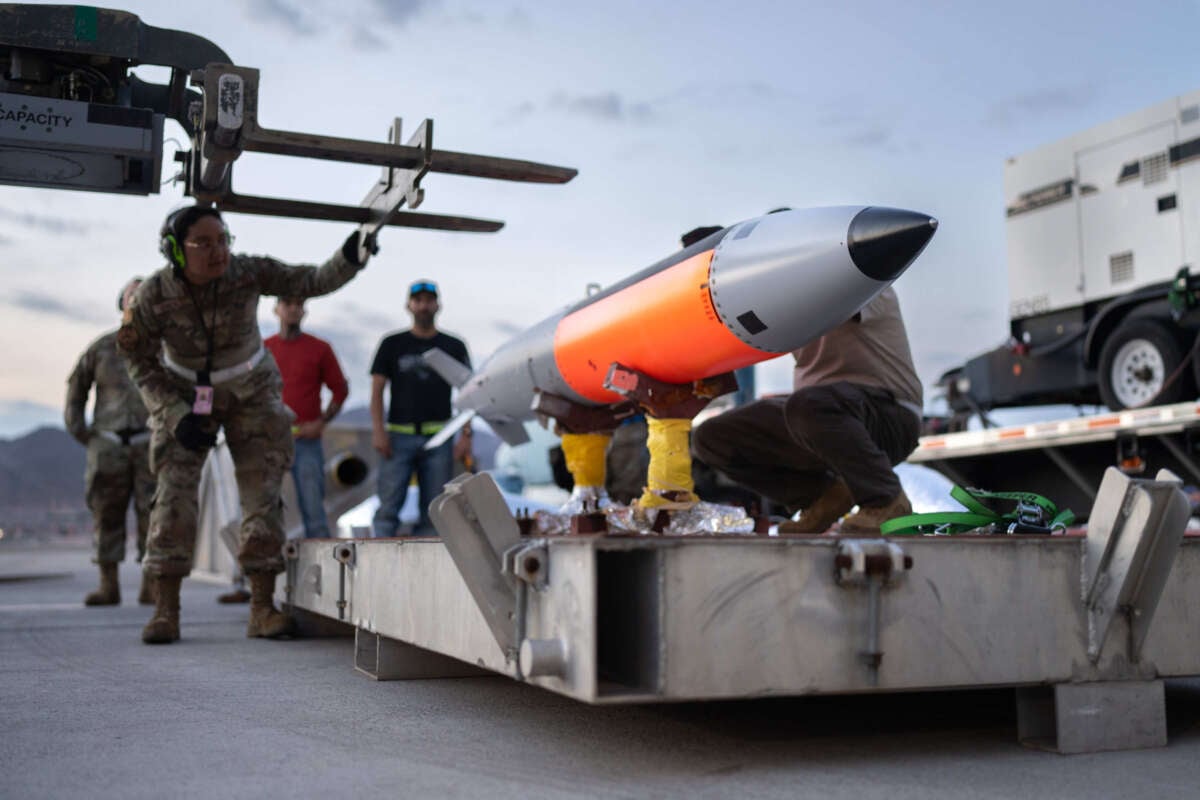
point(670, 463)
point(584, 453)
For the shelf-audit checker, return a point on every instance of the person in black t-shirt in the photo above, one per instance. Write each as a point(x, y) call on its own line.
point(419, 407)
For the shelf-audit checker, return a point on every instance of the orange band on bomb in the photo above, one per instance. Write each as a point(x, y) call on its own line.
point(665, 326)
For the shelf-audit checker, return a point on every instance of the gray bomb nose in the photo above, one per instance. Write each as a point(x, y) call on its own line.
point(884, 241)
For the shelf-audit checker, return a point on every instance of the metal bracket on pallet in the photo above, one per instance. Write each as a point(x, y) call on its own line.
point(529, 562)
point(291, 552)
point(478, 530)
point(1134, 532)
point(860, 561)
point(875, 564)
point(345, 553)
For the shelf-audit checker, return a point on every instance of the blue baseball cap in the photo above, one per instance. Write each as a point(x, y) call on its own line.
point(422, 286)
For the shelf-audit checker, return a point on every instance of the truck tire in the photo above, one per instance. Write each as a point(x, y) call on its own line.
point(1137, 361)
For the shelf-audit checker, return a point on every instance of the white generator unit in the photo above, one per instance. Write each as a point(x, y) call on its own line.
point(1103, 233)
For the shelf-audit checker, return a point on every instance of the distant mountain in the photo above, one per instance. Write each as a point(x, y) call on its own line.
point(19, 417)
point(42, 469)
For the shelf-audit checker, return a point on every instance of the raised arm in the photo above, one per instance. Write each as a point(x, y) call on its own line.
point(281, 280)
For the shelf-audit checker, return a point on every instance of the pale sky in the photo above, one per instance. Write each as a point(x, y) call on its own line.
point(675, 114)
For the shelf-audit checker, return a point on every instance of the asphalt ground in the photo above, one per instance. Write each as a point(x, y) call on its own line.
point(87, 710)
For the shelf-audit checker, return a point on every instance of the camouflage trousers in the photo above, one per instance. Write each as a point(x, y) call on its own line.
point(116, 473)
point(258, 432)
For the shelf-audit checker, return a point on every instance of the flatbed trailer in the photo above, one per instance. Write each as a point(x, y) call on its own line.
point(606, 619)
point(1066, 459)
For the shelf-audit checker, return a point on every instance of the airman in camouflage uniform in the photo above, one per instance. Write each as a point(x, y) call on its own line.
point(118, 461)
point(194, 325)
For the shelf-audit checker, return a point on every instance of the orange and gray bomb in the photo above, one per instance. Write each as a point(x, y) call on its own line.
point(745, 294)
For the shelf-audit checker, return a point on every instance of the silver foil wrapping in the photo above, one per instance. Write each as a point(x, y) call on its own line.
point(702, 518)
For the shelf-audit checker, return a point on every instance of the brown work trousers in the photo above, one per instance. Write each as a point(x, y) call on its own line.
point(790, 449)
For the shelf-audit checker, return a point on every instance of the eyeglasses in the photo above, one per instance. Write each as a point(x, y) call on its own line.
point(206, 245)
point(423, 286)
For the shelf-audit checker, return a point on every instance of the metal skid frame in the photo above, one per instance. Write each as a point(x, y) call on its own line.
point(612, 619)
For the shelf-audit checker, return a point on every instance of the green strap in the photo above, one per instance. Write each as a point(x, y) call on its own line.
point(958, 493)
point(936, 521)
point(978, 515)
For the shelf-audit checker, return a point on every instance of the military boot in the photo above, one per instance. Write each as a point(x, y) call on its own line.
point(265, 620)
point(163, 627)
point(146, 594)
point(109, 593)
point(834, 503)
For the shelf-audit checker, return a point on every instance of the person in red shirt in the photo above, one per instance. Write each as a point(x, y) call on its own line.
point(306, 363)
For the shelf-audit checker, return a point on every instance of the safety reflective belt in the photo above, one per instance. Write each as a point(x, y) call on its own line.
point(427, 428)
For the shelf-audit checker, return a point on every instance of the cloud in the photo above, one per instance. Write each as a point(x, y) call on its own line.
point(603, 106)
point(283, 13)
point(365, 319)
point(607, 106)
point(613, 107)
point(868, 136)
point(723, 93)
point(1040, 102)
point(518, 19)
point(57, 225)
point(401, 12)
point(397, 13)
point(520, 111)
point(363, 38)
point(853, 128)
point(53, 306)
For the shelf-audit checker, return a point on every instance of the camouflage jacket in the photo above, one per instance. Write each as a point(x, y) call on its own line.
point(118, 403)
point(164, 318)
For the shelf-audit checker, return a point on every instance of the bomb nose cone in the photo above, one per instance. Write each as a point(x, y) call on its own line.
point(884, 241)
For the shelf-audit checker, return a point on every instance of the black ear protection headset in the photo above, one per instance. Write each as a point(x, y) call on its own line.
point(170, 238)
point(168, 241)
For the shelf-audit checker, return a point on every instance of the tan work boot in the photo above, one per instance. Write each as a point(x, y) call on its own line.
point(109, 593)
point(163, 627)
point(833, 504)
point(265, 620)
point(146, 593)
point(869, 518)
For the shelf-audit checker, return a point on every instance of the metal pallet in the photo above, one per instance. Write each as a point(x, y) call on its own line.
point(612, 619)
